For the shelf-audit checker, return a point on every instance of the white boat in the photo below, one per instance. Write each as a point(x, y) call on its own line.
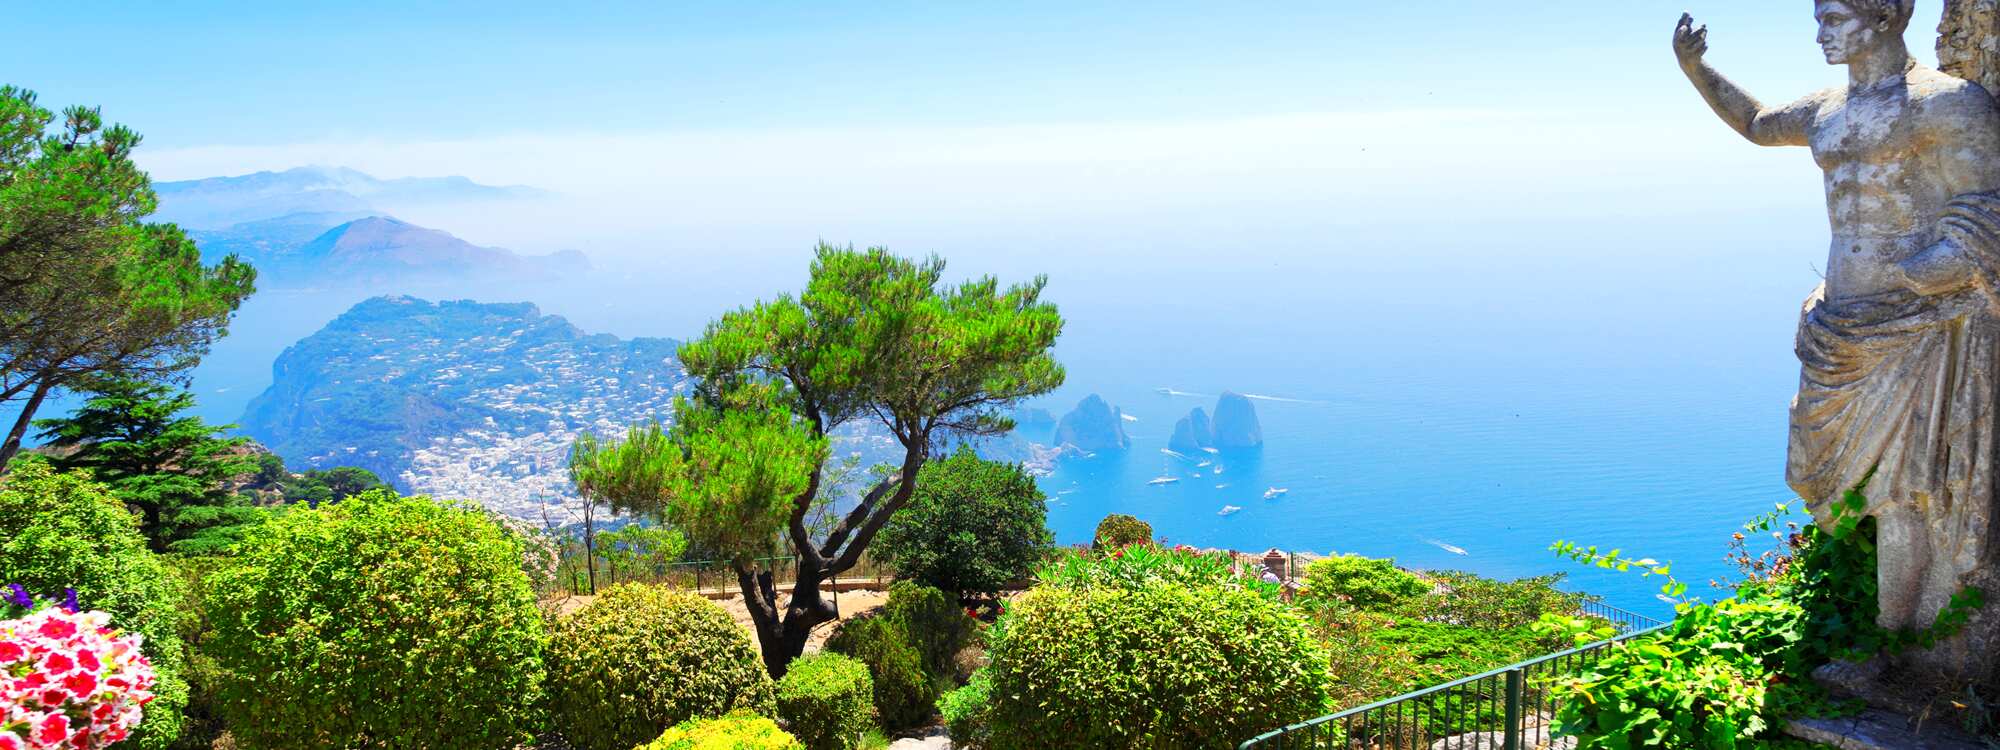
point(1223, 486)
point(1228, 509)
point(1204, 464)
point(1275, 493)
point(1164, 480)
point(1218, 470)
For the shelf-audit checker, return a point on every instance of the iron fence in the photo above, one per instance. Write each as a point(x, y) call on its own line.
point(1503, 709)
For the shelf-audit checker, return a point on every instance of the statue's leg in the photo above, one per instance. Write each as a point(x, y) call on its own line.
point(1902, 544)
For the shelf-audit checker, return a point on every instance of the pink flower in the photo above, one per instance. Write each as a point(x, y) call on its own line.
point(83, 685)
point(10, 652)
point(56, 629)
point(52, 729)
point(12, 741)
point(57, 663)
point(89, 661)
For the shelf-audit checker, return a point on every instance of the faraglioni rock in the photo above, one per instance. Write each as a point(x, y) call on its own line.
point(1093, 426)
point(1192, 433)
point(1236, 426)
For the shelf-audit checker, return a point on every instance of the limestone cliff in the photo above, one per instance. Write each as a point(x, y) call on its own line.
point(1093, 426)
point(1236, 426)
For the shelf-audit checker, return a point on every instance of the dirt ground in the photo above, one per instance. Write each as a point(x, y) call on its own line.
point(851, 603)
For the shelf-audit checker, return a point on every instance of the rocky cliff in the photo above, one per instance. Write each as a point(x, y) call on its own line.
point(1093, 426)
point(1236, 426)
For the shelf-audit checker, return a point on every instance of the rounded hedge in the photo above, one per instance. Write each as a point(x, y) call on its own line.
point(972, 526)
point(1365, 582)
point(966, 712)
point(934, 623)
point(1153, 666)
point(739, 730)
point(640, 659)
point(827, 701)
point(62, 530)
point(904, 690)
point(1118, 530)
point(381, 621)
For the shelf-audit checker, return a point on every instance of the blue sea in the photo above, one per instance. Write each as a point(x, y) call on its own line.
point(1448, 409)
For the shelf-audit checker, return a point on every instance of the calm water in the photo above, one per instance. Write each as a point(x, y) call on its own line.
point(1444, 408)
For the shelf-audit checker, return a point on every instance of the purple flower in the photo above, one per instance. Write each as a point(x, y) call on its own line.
point(69, 601)
point(18, 596)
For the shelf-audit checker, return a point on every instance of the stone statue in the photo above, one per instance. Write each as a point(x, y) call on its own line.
point(1900, 347)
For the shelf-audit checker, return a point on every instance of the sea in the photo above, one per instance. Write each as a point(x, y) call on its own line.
point(1446, 408)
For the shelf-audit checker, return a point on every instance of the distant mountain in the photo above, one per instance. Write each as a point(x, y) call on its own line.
point(1093, 426)
point(459, 399)
point(299, 248)
point(223, 202)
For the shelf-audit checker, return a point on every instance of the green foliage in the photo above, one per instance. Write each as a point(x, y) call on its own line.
point(640, 659)
point(1446, 652)
point(967, 712)
point(1476, 601)
point(972, 527)
point(904, 690)
point(933, 622)
point(1157, 665)
point(174, 468)
point(827, 701)
point(737, 730)
point(203, 722)
point(319, 487)
point(641, 548)
point(1365, 582)
point(1143, 565)
point(87, 291)
point(1724, 675)
point(1118, 530)
point(873, 336)
point(62, 530)
point(381, 621)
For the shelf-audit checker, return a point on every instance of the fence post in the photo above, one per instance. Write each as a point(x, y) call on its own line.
point(1512, 738)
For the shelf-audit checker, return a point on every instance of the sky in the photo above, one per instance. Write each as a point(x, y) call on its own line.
point(1147, 130)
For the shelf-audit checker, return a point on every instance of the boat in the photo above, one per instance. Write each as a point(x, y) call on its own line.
point(1164, 480)
point(1223, 486)
point(1218, 470)
point(1275, 493)
point(1205, 464)
point(1228, 509)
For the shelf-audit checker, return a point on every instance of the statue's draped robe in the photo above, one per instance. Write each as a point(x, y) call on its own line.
point(1907, 387)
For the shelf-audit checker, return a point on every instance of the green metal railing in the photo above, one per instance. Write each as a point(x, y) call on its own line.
point(1503, 709)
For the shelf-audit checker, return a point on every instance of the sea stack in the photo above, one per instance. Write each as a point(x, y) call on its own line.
point(1192, 433)
point(1093, 426)
point(1236, 425)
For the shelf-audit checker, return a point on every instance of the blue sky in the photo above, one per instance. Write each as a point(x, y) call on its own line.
point(203, 73)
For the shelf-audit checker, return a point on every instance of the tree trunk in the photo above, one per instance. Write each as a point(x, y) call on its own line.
point(783, 637)
point(13, 444)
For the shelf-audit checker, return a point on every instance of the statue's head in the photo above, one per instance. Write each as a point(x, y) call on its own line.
point(1850, 29)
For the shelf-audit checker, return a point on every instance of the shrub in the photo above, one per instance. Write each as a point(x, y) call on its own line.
point(1152, 666)
point(1364, 582)
point(1476, 601)
point(738, 730)
point(967, 711)
point(382, 621)
point(904, 692)
point(641, 659)
point(1119, 530)
point(61, 531)
point(972, 526)
point(1141, 566)
point(827, 701)
point(933, 623)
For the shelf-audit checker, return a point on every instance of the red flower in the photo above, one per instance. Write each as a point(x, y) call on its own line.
point(11, 651)
point(57, 663)
point(53, 729)
point(81, 684)
point(57, 629)
point(10, 741)
point(89, 660)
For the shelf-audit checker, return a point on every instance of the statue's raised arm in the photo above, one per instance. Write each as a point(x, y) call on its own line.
point(1749, 117)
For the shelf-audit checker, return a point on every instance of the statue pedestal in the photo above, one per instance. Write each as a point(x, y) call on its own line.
point(1887, 723)
point(1877, 729)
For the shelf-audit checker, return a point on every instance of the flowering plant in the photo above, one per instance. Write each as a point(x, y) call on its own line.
point(69, 682)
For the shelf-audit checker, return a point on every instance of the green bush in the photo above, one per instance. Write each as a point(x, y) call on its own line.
point(934, 623)
point(1150, 667)
point(1476, 601)
point(972, 527)
point(827, 701)
point(1144, 565)
point(738, 730)
point(1365, 582)
point(1119, 530)
point(203, 723)
point(381, 621)
point(967, 712)
point(641, 659)
point(62, 530)
point(904, 690)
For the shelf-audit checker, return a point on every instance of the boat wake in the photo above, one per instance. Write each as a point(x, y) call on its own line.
point(1454, 549)
point(1280, 399)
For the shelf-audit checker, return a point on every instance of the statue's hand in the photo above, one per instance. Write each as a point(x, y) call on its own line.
point(1690, 43)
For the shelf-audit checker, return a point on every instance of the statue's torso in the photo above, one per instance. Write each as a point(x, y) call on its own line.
point(1888, 156)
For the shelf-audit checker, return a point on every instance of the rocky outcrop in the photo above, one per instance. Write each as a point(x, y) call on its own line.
point(1093, 426)
point(1192, 433)
point(1236, 426)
